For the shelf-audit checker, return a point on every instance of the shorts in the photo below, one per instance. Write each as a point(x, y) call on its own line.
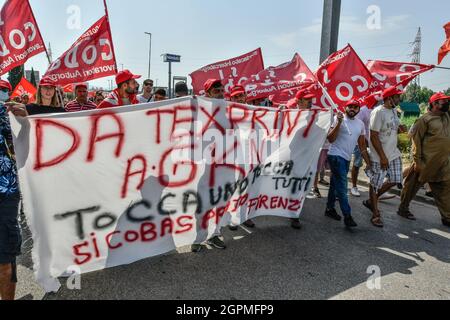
point(358, 163)
point(394, 174)
point(323, 160)
point(10, 235)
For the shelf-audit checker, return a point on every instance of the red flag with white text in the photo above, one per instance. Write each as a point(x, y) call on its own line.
point(388, 73)
point(90, 57)
point(24, 87)
point(294, 74)
point(345, 76)
point(234, 71)
point(20, 38)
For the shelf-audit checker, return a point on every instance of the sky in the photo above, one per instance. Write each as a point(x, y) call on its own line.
point(207, 31)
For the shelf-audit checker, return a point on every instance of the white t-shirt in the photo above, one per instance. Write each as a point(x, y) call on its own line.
point(142, 99)
point(345, 144)
point(386, 122)
point(364, 116)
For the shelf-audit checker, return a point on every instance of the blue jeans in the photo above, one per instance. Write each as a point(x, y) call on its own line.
point(339, 184)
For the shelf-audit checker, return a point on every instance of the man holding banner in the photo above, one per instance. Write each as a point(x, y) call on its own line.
point(125, 94)
point(10, 238)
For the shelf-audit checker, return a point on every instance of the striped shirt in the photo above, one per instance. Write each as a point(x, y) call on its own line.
point(75, 106)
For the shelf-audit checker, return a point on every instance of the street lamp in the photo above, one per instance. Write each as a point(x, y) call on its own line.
point(149, 54)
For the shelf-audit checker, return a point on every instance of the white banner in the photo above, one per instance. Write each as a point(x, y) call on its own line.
point(109, 187)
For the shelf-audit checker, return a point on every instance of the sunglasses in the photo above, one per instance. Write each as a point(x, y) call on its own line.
point(148, 84)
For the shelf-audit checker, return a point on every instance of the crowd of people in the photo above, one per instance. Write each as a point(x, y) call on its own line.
point(356, 136)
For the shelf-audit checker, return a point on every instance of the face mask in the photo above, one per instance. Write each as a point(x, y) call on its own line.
point(445, 107)
point(4, 96)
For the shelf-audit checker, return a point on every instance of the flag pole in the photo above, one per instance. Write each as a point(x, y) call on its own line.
point(109, 29)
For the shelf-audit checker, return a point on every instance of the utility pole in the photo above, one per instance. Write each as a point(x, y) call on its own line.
point(330, 28)
point(149, 54)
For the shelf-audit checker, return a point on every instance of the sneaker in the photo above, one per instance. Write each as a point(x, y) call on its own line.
point(349, 222)
point(249, 224)
point(295, 223)
point(332, 213)
point(355, 192)
point(324, 182)
point(217, 243)
point(316, 193)
point(233, 228)
point(196, 248)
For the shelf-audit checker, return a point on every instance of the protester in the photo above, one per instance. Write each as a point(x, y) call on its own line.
point(364, 116)
point(344, 139)
point(125, 93)
point(81, 102)
point(238, 95)
point(10, 237)
point(99, 97)
point(47, 101)
point(147, 92)
point(431, 153)
point(181, 90)
point(215, 90)
point(384, 153)
point(160, 95)
point(25, 99)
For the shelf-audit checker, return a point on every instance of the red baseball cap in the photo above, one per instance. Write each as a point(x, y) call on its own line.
point(47, 82)
point(124, 76)
point(353, 103)
point(438, 96)
point(81, 85)
point(392, 91)
point(236, 90)
point(5, 84)
point(305, 94)
point(210, 83)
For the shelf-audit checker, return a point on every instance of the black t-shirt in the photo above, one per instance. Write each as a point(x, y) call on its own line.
point(35, 109)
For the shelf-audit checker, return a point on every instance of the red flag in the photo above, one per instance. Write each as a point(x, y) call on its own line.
point(232, 72)
point(388, 74)
point(90, 57)
point(445, 49)
point(24, 87)
point(290, 75)
point(345, 77)
point(20, 38)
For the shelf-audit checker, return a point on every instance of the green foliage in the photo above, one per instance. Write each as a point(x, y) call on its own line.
point(409, 121)
point(417, 94)
point(15, 75)
point(404, 143)
point(33, 78)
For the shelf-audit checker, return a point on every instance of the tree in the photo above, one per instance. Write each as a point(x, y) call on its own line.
point(33, 78)
point(417, 94)
point(15, 75)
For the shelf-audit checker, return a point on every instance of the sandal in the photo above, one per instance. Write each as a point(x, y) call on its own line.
point(376, 221)
point(368, 205)
point(407, 215)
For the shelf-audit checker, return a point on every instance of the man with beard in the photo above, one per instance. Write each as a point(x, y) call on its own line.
point(431, 152)
point(344, 139)
point(125, 94)
point(384, 153)
point(238, 95)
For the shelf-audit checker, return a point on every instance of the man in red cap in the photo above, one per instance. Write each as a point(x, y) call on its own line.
point(304, 99)
point(238, 95)
point(344, 139)
point(384, 152)
point(125, 94)
point(431, 152)
point(81, 102)
point(10, 238)
point(214, 89)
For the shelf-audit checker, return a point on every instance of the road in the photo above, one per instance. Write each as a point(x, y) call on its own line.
point(322, 261)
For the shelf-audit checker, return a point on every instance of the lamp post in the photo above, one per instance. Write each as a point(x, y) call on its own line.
point(330, 28)
point(149, 54)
